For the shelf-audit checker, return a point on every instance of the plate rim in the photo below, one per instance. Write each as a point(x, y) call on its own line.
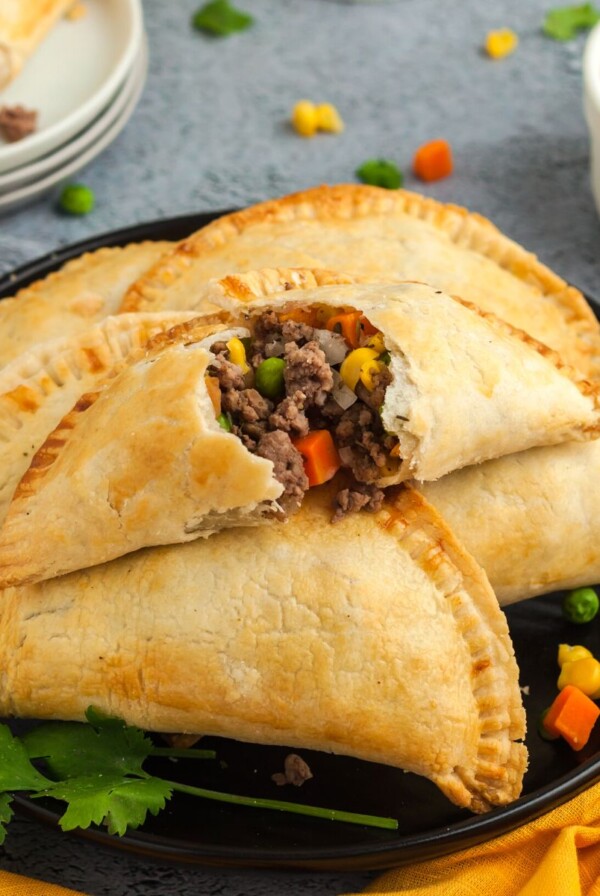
point(353, 857)
point(26, 173)
point(47, 139)
point(36, 188)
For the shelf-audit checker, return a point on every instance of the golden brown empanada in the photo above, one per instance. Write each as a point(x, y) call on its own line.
point(23, 25)
point(69, 301)
point(383, 641)
point(532, 519)
point(384, 234)
point(145, 461)
point(40, 386)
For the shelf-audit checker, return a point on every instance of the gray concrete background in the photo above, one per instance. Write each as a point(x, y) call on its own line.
point(211, 132)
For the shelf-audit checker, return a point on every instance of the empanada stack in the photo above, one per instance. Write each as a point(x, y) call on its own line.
point(378, 636)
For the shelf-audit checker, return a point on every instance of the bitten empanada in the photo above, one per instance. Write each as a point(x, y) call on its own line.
point(384, 234)
point(180, 445)
point(382, 641)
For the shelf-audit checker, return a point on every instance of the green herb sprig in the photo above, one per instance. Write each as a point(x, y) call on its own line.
point(564, 23)
point(97, 770)
point(220, 18)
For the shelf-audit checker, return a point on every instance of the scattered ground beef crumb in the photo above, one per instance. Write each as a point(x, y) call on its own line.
point(360, 497)
point(295, 771)
point(17, 122)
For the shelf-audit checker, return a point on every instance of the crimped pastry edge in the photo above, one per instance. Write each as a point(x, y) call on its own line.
point(466, 229)
point(502, 757)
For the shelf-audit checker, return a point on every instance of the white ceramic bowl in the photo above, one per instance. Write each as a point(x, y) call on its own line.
point(591, 98)
point(75, 73)
point(115, 124)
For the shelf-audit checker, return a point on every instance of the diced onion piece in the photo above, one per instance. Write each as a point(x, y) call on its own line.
point(334, 346)
point(341, 394)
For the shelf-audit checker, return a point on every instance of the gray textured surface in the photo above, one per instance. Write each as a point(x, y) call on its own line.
point(211, 132)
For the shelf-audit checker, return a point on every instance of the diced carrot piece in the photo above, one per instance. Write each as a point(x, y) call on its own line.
point(348, 324)
point(308, 316)
point(367, 327)
point(351, 324)
point(321, 459)
point(572, 715)
point(433, 160)
point(214, 392)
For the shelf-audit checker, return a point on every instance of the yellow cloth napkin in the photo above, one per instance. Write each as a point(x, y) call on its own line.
point(15, 885)
point(555, 855)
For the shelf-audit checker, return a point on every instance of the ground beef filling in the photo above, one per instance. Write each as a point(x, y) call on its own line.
point(268, 427)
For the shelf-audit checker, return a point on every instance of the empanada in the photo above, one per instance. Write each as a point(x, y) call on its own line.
point(149, 459)
point(532, 519)
point(383, 641)
point(23, 25)
point(71, 300)
point(40, 386)
point(385, 234)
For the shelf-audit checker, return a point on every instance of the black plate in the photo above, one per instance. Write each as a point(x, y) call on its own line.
point(195, 831)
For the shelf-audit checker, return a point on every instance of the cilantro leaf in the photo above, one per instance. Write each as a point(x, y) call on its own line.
point(106, 746)
point(6, 813)
point(564, 23)
point(118, 801)
point(16, 771)
point(380, 173)
point(219, 17)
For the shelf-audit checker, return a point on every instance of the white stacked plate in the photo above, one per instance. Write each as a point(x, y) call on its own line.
point(84, 81)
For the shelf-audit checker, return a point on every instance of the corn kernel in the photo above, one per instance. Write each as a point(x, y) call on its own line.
point(376, 342)
point(499, 44)
point(329, 119)
point(567, 653)
point(352, 364)
point(304, 118)
point(237, 354)
point(368, 371)
point(583, 673)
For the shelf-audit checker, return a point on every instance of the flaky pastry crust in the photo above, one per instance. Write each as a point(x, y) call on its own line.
point(382, 641)
point(40, 386)
point(530, 519)
point(71, 300)
point(384, 235)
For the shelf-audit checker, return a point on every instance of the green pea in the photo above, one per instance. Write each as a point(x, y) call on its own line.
point(77, 199)
point(269, 377)
point(224, 422)
point(380, 173)
point(580, 605)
